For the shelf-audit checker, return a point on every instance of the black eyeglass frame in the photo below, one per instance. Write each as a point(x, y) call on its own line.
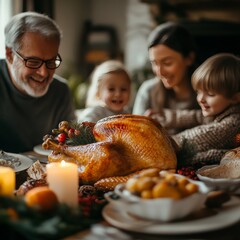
point(26, 60)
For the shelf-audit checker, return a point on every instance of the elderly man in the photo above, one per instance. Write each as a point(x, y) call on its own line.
point(32, 99)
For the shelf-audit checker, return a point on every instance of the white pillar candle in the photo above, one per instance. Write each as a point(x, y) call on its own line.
point(7, 181)
point(63, 180)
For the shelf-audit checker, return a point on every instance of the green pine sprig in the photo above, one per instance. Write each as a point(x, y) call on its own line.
point(29, 223)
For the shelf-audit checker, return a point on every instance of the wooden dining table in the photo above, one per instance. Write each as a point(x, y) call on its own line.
point(105, 230)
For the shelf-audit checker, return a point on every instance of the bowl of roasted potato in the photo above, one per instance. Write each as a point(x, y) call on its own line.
point(160, 196)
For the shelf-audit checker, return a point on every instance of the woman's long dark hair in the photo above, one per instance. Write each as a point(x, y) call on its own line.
point(175, 36)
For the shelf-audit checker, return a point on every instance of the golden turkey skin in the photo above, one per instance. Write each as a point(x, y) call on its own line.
point(124, 144)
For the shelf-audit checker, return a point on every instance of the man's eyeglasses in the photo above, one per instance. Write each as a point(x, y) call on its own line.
point(35, 63)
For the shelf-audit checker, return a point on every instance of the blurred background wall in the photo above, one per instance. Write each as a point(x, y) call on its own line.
point(88, 24)
point(132, 21)
point(96, 30)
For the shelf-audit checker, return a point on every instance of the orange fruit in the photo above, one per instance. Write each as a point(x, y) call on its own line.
point(42, 198)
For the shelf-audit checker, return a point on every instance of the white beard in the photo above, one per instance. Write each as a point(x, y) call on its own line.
point(24, 86)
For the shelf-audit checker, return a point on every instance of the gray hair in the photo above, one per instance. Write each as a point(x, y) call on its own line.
point(30, 22)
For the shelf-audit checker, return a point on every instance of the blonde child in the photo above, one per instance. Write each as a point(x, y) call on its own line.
point(109, 92)
point(217, 83)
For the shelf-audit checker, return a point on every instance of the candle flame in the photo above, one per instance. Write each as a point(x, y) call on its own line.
point(63, 163)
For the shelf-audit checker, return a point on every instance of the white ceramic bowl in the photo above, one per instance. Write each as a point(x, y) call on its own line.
point(163, 209)
point(226, 184)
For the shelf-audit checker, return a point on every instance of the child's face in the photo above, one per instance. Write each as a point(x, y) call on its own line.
point(114, 91)
point(212, 104)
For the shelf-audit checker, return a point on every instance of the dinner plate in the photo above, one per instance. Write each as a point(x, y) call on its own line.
point(24, 162)
point(38, 149)
point(208, 220)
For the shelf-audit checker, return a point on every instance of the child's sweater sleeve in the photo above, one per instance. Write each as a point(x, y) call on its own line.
point(206, 143)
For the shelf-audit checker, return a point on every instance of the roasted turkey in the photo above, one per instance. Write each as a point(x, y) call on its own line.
point(124, 144)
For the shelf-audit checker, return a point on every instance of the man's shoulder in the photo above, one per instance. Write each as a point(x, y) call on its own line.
point(2, 60)
point(60, 87)
point(3, 64)
point(4, 75)
point(59, 80)
point(59, 83)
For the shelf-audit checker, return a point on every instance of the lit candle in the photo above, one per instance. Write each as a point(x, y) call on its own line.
point(63, 180)
point(7, 181)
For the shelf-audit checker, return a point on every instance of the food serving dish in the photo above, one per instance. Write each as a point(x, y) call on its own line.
point(162, 209)
point(204, 220)
point(226, 184)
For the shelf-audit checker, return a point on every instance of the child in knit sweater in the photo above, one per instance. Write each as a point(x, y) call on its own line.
point(217, 84)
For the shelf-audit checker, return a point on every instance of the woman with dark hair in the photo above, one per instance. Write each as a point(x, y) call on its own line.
point(169, 97)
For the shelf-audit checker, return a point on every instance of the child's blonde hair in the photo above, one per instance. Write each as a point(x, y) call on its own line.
point(218, 74)
point(109, 66)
